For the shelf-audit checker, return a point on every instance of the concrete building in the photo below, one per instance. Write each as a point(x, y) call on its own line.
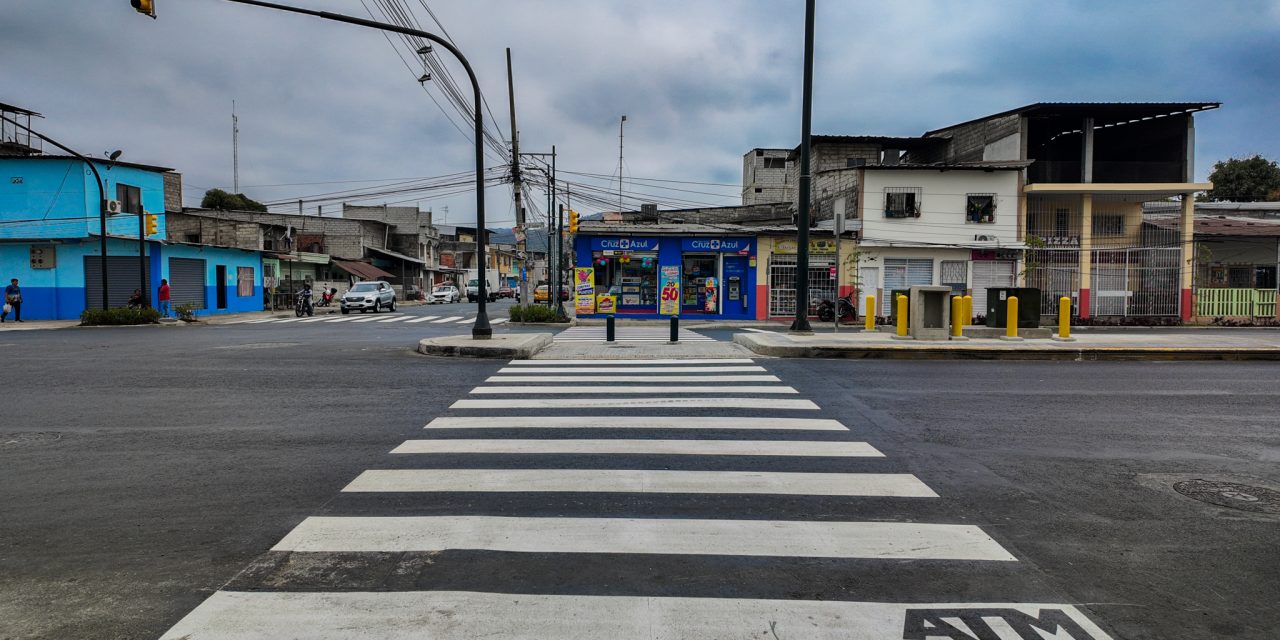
point(766, 176)
point(411, 239)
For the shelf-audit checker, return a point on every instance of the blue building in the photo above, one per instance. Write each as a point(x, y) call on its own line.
point(50, 240)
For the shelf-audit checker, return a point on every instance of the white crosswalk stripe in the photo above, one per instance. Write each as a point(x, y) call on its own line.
point(446, 319)
point(626, 333)
point(646, 499)
point(422, 319)
point(395, 319)
point(380, 318)
point(341, 319)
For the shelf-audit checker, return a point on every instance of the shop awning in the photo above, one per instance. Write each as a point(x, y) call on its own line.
point(362, 270)
point(398, 255)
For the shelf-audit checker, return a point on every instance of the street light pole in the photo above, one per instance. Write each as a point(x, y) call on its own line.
point(102, 195)
point(801, 322)
point(481, 329)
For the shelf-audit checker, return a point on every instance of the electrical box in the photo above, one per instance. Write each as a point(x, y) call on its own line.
point(1028, 306)
point(45, 257)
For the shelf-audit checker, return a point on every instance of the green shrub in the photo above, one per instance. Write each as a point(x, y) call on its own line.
point(119, 316)
point(535, 313)
point(186, 312)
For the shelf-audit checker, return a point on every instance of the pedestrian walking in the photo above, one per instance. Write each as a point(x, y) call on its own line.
point(12, 301)
point(165, 308)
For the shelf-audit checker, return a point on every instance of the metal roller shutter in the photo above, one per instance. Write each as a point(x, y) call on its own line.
point(900, 273)
point(989, 273)
point(186, 282)
point(123, 274)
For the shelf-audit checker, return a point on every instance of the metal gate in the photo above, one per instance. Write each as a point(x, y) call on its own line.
point(782, 282)
point(903, 273)
point(1056, 273)
point(990, 273)
point(123, 274)
point(1137, 282)
point(186, 282)
point(868, 282)
point(1110, 290)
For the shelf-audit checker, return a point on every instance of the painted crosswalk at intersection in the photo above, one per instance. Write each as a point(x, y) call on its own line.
point(673, 511)
point(379, 318)
point(628, 333)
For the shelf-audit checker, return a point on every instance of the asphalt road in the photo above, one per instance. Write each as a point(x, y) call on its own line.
point(141, 469)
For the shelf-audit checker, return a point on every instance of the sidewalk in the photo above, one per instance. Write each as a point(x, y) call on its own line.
point(1169, 344)
point(32, 325)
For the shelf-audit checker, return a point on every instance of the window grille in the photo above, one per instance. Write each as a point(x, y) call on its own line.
point(902, 202)
point(980, 208)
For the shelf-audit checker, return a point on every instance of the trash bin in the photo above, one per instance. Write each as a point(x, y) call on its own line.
point(1028, 306)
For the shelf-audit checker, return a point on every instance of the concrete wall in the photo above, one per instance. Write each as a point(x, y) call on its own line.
point(761, 184)
point(942, 208)
point(983, 140)
point(57, 198)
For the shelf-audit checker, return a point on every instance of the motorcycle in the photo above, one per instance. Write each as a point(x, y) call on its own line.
point(848, 312)
point(326, 297)
point(302, 306)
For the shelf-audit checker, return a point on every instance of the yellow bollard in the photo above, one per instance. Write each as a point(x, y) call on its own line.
point(957, 312)
point(968, 309)
point(1011, 320)
point(1064, 318)
point(902, 316)
point(871, 313)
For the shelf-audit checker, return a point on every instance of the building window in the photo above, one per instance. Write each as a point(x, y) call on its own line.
point(244, 281)
point(775, 163)
point(850, 163)
point(759, 190)
point(130, 198)
point(955, 274)
point(902, 202)
point(1108, 224)
point(1061, 222)
point(1265, 277)
point(980, 208)
point(193, 238)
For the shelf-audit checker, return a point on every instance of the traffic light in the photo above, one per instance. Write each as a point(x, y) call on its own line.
point(147, 7)
point(153, 224)
point(573, 221)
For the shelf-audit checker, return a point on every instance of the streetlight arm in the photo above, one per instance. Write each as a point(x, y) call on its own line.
point(481, 329)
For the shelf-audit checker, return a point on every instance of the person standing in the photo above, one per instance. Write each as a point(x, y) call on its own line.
point(13, 300)
point(165, 307)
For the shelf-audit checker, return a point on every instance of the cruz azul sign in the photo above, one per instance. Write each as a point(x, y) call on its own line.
point(624, 244)
point(717, 245)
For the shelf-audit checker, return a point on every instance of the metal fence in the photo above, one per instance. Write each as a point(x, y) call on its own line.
point(782, 282)
point(1249, 303)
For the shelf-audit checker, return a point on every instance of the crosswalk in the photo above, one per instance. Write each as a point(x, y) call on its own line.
point(623, 507)
point(379, 318)
point(628, 333)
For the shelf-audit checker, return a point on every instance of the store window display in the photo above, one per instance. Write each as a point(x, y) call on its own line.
point(632, 277)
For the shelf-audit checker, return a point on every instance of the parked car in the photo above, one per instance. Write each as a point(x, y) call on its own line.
point(508, 292)
point(444, 294)
point(542, 293)
point(372, 296)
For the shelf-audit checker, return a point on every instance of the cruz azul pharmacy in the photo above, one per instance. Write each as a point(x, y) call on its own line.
point(708, 277)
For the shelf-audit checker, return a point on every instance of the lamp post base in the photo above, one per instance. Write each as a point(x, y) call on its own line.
point(481, 330)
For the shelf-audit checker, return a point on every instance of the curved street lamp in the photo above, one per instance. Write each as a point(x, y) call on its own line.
point(481, 330)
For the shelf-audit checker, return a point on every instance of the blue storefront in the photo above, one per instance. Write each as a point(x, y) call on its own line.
point(716, 274)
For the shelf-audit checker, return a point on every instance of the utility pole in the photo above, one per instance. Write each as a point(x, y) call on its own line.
point(516, 189)
point(620, 123)
point(801, 322)
point(235, 149)
point(559, 305)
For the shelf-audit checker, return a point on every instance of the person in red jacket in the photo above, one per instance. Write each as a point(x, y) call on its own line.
point(165, 308)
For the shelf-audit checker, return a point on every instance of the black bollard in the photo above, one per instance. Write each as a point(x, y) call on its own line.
point(675, 329)
point(608, 329)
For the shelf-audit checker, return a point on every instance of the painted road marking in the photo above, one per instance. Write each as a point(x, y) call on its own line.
point(499, 321)
point(629, 403)
point(465, 321)
point(289, 320)
point(317, 319)
point(710, 378)
point(342, 319)
point(422, 319)
point(775, 538)
point(465, 615)
point(539, 363)
point(756, 330)
point(446, 319)
point(646, 447)
point(396, 319)
point(891, 485)
point(621, 369)
point(369, 319)
point(635, 422)
point(624, 389)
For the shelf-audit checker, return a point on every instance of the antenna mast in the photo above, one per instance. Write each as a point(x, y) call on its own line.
point(235, 149)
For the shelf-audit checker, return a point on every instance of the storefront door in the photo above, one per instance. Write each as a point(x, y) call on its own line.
point(736, 301)
point(697, 270)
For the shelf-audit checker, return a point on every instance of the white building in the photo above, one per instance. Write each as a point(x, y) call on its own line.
point(950, 225)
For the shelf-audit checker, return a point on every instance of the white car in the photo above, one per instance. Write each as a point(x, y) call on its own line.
point(443, 294)
point(369, 296)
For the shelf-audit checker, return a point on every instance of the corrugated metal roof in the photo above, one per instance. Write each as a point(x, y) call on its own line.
point(1222, 225)
point(362, 270)
point(1104, 109)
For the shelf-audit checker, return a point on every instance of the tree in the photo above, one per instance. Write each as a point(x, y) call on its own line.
point(219, 199)
point(1253, 179)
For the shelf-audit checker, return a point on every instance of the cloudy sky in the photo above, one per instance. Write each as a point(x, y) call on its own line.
point(701, 82)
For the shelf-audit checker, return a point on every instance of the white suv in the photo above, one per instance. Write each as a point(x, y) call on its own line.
point(369, 296)
point(444, 293)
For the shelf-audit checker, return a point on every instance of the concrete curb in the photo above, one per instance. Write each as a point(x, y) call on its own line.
point(514, 346)
point(1020, 352)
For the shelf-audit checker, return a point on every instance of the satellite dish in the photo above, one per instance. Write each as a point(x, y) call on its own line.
point(114, 155)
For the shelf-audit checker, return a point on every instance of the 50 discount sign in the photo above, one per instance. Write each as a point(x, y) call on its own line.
point(669, 296)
